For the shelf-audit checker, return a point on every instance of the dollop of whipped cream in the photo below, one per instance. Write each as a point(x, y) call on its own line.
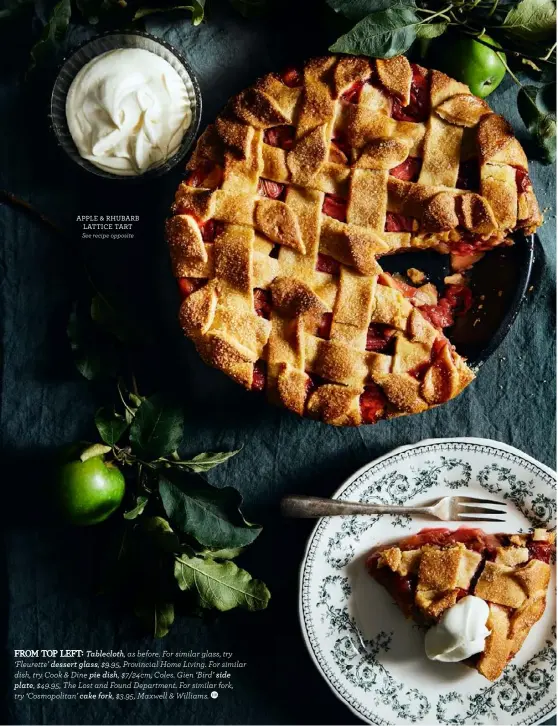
point(127, 111)
point(460, 633)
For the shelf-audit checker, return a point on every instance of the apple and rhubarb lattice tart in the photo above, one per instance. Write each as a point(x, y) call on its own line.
point(293, 196)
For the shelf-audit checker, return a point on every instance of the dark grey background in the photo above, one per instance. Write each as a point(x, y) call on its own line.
point(51, 575)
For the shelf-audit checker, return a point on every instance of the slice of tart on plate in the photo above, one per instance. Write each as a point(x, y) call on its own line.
point(478, 594)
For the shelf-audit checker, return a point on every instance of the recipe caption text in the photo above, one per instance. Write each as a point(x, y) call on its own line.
point(79, 674)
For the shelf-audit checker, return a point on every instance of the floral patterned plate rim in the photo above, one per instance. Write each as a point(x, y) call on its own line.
point(372, 658)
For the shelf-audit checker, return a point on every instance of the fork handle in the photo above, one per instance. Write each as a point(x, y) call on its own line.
point(311, 507)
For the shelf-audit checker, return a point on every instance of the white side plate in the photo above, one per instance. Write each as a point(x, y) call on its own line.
point(371, 657)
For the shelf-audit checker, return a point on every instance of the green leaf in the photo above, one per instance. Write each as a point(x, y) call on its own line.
point(382, 34)
point(220, 585)
point(251, 8)
point(359, 9)
point(532, 20)
point(110, 425)
point(94, 450)
point(135, 399)
point(207, 460)
point(130, 401)
point(427, 31)
point(141, 503)
point(527, 105)
point(156, 616)
point(211, 515)
point(540, 124)
point(546, 97)
point(115, 321)
point(227, 553)
point(12, 8)
point(157, 428)
point(94, 357)
point(161, 534)
point(196, 8)
point(53, 33)
point(544, 136)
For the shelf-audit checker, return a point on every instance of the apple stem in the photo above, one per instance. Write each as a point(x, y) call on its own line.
point(515, 78)
point(432, 14)
point(132, 413)
point(493, 8)
point(550, 52)
point(469, 30)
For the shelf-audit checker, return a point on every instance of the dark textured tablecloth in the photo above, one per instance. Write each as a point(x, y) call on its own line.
point(49, 574)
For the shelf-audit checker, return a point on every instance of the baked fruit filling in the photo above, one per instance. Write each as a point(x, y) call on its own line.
point(426, 574)
point(282, 137)
point(292, 77)
point(335, 206)
point(408, 170)
point(271, 189)
point(292, 198)
point(440, 311)
point(418, 108)
point(325, 263)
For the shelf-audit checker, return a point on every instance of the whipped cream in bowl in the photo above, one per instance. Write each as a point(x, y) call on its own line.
point(126, 106)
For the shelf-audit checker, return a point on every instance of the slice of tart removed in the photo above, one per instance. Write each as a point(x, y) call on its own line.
point(478, 594)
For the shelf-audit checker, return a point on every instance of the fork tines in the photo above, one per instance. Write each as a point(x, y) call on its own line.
point(467, 507)
point(476, 500)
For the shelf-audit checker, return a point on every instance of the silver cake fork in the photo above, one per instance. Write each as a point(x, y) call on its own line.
point(458, 509)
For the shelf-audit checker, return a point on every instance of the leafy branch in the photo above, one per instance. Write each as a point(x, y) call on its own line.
point(180, 535)
point(107, 14)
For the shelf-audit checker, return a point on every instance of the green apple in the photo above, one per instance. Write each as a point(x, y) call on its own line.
point(88, 492)
point(473, 63)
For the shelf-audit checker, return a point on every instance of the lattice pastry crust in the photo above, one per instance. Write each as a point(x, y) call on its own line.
point(303, 182)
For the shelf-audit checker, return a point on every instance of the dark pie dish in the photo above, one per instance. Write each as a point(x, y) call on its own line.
point(499, 282)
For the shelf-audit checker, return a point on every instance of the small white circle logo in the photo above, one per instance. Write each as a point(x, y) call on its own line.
point(214, 694)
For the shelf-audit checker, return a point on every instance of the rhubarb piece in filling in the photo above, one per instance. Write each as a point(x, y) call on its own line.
point(335, 206)
point(373, 403)
point(325, 263)
point(262, 303)
point(456, 302)
point(188, 285)
point(419, 107)
point(270, 189)
point(207, 174)
point(259, 375)
point(281, 137)
point(398, 223)
point(408, 170)
point(292, 77)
